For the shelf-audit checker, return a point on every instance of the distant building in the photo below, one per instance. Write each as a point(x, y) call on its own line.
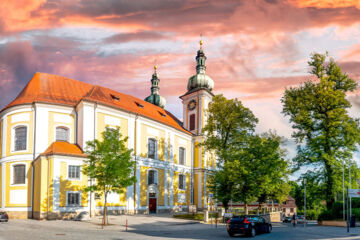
point(289, 207)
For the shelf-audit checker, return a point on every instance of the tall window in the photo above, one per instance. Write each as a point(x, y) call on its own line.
point(73, 198)
point(151, 177)
point(74, 172)
point(182, 181)
point(20, 138)
point(62, 134)
point(152, 148)
point(192, 122)
point(181, 155)
point(19, 174)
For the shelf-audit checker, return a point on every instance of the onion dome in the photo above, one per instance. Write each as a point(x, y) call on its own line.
point(200, 79)
point(154, 97)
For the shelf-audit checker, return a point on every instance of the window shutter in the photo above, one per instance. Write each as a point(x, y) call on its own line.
point(19, 174)
point(20, 138)
point(62, 134)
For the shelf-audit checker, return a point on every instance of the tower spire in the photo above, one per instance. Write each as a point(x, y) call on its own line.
point(154, 97)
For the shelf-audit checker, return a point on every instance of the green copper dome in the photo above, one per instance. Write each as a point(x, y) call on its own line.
point(200, 79)
point(154, 97)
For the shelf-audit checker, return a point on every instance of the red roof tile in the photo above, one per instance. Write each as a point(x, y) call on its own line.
point(55, 89)
point(64, 148)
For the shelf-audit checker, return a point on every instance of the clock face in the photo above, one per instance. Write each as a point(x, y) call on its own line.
point(192, 105)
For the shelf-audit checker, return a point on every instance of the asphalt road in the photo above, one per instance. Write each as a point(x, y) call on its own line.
point(145, 227)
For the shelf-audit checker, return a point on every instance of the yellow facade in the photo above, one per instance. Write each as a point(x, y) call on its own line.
point(102, 123)
point(1, 136)
point(71, 185)
point(9, 132)
point(143, 186)
point(181, 142)
point(161, 188)
point(53, 123)
point(9, 187)
point(147, 132)
point(0, 183)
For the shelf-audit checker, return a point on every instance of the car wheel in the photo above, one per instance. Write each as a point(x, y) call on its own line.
point(269, 229)
point(231, 234)
point(252, 232)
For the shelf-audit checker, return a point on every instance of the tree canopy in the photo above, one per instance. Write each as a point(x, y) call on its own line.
point(323, 129)
point(250, 166)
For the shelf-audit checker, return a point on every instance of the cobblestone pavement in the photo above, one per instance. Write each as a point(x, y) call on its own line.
point(156, 227)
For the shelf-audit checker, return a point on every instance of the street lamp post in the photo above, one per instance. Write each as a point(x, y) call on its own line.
point(350, 186)
point(305, 203)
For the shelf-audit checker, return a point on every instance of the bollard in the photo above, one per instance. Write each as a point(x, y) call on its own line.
point(206, 216)
point(126, 226)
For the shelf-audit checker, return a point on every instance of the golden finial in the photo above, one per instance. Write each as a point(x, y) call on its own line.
point(201, 41)
point(155, 65)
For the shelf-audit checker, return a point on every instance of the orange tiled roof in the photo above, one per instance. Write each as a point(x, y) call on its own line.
point(64, 148)
point(49, 88)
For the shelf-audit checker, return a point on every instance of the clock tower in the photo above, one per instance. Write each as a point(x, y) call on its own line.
point(195, 103)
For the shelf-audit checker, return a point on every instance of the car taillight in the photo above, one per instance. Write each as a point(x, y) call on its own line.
point(6, 215)
point(246, 221)
point(228, 221)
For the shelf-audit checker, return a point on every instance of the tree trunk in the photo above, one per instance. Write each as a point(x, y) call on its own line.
point(105, 222)
point(329, 186)
point(246, 209)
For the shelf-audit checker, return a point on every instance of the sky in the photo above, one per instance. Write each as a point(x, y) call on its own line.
point(255, 48)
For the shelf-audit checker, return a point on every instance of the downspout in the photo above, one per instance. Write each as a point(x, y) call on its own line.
point(32, 164)
point(91, 202)
point(135, 153)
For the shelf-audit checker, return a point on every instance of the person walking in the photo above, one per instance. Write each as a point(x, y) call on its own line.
point(294, 220)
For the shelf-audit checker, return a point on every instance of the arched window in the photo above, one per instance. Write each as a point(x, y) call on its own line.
point(181, 156)
point(62, 134)
point(152, 177)
point(192, 122)
point(152, 148)
point(20, 138)
point(19, 174)
point(182, 181)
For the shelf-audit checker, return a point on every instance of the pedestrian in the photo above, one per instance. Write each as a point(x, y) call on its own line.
point(294, 220)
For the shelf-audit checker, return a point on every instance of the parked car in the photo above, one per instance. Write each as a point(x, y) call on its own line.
point(287, 219)
point(4, 217)
point(300, 219)
point(248, 224)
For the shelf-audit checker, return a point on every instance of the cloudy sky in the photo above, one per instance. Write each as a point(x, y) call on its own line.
point(255, 48)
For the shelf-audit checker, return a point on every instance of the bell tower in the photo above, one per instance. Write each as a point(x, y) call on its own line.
point(195, 104)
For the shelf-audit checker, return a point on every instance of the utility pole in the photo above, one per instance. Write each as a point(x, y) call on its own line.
point(343, 179)
point(347, 213)
point(350, 186)
point(305, 203)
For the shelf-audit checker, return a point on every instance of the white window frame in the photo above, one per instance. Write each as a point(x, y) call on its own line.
point(73, 205)
point(67, 172)
point(13, 137)
point(184, 156)
point(156, 148)
point(12, 173)
point(155, 177)
point(184, 181)
point(62, 126)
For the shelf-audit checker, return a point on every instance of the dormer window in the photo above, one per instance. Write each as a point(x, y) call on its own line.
point(139, 105)
point(162, 114)
point(115, 98)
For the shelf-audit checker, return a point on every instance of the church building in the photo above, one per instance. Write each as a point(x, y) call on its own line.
point(43, 135)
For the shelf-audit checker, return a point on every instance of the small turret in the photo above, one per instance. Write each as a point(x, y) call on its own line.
point(154, 97)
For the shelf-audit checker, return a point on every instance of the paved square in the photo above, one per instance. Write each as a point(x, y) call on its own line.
point(155, 227)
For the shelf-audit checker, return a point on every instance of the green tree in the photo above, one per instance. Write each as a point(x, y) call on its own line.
point(260, 173)
point(228, 126)
point(110, 164)
point(249, 165)
point(325, 133)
